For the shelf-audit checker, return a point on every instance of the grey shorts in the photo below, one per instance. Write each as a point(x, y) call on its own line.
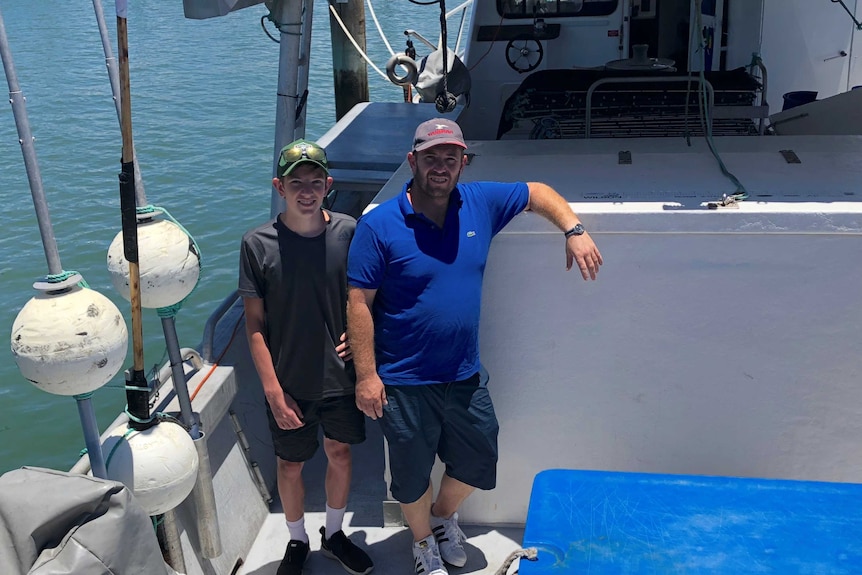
point(454, 421)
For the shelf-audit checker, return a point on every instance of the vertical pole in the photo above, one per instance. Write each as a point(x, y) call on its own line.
point(169, 327)
point(349, 71)
point(169, 532)
point(137, 395)
point(91, 436)
point(288, 14)
point(114, 78)
point(28, 149)
point(303, 71)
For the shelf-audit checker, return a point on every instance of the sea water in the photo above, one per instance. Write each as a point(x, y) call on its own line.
point(203, 106)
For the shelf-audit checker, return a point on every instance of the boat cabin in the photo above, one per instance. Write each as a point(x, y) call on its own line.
point(646, 68)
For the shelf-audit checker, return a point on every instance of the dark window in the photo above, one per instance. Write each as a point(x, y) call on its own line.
point(555, 8)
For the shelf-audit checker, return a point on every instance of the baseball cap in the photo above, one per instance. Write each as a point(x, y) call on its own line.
point(300, 152)
point(436, 132)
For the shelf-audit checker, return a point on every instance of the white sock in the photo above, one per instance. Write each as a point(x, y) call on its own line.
point(334, 519)
point(297, 529)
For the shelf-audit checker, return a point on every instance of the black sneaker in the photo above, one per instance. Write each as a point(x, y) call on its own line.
point(339, 547)
point(294, 558)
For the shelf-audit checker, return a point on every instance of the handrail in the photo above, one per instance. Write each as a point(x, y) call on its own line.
point(644, 80)
point(460, 8)
point(212, 322)
point(759, 63)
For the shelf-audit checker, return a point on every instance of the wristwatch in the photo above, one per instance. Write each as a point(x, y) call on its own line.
point(578, 230)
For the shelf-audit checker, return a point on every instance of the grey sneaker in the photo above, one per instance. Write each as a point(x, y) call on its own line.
point(450, 539)
point(426, 557)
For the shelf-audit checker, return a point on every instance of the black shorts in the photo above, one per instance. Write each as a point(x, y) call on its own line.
point(454, 421)
point(340, 418)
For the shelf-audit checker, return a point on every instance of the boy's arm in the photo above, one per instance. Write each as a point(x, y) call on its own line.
point(284, 408)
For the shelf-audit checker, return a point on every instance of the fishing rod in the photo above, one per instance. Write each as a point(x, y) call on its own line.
point(47, 333)
point(137, 390)
point(172, 271)
point(164, 235)
point(114, 77)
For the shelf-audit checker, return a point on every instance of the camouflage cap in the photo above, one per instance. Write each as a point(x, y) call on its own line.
point(300, 152)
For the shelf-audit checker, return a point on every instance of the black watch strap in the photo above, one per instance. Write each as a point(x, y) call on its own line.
point(577, 230)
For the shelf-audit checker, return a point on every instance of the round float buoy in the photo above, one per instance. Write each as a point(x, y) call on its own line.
point(69, 343)
point(402, 59)
point(159, 464)
point(168, 262)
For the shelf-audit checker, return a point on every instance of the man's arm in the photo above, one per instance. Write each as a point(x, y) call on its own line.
point(370, 393)
point(546, 202)
point(284, 408)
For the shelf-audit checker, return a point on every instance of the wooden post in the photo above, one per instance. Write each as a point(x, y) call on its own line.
point(349, 70)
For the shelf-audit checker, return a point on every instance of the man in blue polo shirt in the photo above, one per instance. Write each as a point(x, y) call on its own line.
point(414, 277)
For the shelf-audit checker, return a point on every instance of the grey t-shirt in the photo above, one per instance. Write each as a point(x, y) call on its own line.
point(303, 284)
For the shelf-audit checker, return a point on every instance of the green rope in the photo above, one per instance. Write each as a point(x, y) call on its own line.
point(83, 396)
point(172, 310)
point(63, 276)
point(703, 103)
point(117, 445)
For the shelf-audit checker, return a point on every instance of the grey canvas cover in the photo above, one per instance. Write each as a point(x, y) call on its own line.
point(430, 81)
point(53, 522)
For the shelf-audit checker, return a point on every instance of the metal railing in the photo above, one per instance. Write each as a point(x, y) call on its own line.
point(646, 80)
point(210, 327)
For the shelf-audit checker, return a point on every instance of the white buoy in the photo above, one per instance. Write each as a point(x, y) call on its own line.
point(169, 264)
point(159, 464)
point(69, 343)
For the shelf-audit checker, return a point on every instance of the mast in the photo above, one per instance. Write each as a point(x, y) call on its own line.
point(289, 16)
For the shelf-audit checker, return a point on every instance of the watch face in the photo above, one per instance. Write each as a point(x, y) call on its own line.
point(576, 231)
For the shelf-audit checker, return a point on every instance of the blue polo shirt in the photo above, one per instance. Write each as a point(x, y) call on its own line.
point(429, 279)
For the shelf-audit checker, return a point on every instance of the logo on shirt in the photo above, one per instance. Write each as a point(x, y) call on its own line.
point(471, 233)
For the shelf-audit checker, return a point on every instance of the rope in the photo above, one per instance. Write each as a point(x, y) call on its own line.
point(355, 45)
point(117, 445)
point(530, 554)
point(220, 357)
point(132, 417)
point(172, 310)
point(703, 104)
point(63, 276)
point(278, 25)
point(379, 29)
point(445, 100)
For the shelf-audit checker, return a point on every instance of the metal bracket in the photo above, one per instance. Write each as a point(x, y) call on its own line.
point(790, 156)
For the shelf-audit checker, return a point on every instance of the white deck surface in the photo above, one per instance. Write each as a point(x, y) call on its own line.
point(389, 548)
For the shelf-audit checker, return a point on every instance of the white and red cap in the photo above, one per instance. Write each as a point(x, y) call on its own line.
point(437, 132)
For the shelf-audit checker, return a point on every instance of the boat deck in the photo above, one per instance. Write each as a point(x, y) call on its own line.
point(389, 547)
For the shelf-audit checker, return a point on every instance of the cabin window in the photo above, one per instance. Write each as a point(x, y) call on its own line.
point(555, 8)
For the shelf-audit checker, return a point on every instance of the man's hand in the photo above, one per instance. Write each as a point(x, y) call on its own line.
point(371, 396)
point(285, 410)
point(582, 250)
point(343, 349)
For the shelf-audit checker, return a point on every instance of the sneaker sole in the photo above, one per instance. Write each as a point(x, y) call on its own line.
point(452, 563)
point(331, 555)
